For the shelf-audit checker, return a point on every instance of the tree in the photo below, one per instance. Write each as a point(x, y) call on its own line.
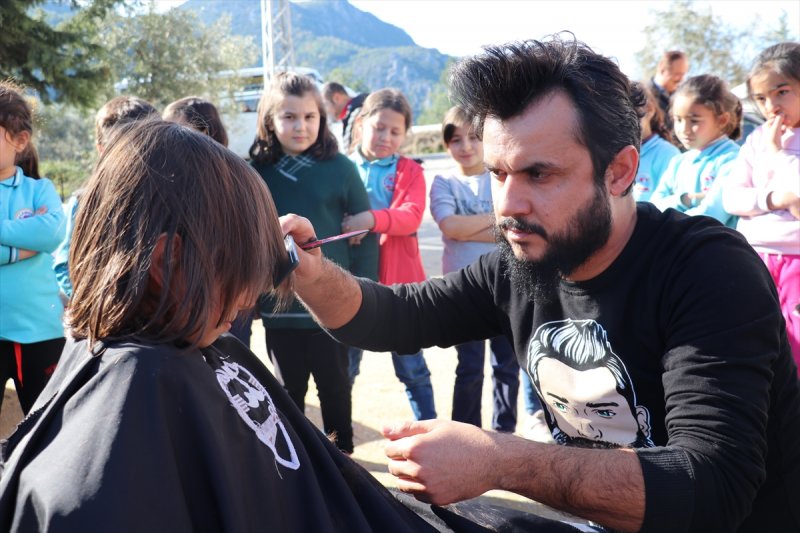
point(712, 46)
point(439, 100)
point(61, 62)
point(346, 77)
point(165, 56)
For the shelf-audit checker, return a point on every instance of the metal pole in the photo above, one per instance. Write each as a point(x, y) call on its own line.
point(267, 63)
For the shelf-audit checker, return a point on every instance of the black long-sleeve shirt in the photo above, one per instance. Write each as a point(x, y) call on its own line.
point(689, 319)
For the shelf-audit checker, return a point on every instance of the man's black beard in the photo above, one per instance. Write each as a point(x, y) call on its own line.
point(582, 442)
point(586, 233)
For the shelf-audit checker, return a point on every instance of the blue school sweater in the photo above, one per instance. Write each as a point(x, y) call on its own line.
point(698, 171)
point(30, 308)
point(654, 158)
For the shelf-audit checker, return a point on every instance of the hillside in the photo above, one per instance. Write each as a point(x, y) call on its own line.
point(333, 34)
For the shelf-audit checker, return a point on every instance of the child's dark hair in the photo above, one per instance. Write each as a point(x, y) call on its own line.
point(16, 117)
point(713, 93)
point(645, 101)
point(266, 148)
point(386, 99)
point(160, 181)
point(199, 114)
point(120, 110)
point(783, 58)
point(455, 117)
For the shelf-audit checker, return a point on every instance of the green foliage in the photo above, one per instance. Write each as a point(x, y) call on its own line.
point(346, 77)
point(439, 99)
point(68, 176)
point(63, 132)
point(64, 139)
point(713, 47)
point(62, 63)
point(165, 56)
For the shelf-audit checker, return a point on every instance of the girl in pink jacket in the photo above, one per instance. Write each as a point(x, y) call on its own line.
point(764, 187)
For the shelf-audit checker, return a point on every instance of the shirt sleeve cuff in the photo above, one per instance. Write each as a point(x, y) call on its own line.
point(761, 200)
point(669, 489)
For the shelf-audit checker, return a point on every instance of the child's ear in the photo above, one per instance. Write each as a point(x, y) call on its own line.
point(157, 263)
point(723, 120)
point(20, 141)
point(650, 110)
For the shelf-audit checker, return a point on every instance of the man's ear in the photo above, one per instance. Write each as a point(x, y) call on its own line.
point(622, 170)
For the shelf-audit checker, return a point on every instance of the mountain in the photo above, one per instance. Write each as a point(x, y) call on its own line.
point(333, 36)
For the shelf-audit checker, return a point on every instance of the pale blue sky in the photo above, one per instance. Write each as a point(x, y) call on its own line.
point(611, 27)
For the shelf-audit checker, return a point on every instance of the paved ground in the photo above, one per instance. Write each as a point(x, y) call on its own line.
point(378, 397)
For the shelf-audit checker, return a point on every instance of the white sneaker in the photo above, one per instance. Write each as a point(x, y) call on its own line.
point(536, 428)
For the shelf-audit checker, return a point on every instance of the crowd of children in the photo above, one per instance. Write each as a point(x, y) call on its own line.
point(755, 188)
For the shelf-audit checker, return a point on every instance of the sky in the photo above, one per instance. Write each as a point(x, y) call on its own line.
point(611, 27)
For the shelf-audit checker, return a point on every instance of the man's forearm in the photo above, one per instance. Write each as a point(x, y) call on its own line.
point(333, 298)
point(605, 486)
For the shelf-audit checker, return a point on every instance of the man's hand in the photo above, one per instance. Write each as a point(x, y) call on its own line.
point(440, 461)
point(310, 267)
point(332, 295)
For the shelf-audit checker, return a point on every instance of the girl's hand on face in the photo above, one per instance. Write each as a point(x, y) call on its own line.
point(359, 221)
point(774, 131)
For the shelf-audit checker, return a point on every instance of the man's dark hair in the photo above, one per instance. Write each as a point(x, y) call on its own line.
point(331, 88)
point(503, 81)
point(669, 57)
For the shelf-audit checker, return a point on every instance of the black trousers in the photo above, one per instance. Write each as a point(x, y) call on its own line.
point(298, 353)
point(30, 366)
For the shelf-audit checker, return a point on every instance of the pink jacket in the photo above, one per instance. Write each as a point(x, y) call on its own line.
point(757, 172)
point(400, 261)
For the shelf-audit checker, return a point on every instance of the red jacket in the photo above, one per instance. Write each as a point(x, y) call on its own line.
point(400, 261)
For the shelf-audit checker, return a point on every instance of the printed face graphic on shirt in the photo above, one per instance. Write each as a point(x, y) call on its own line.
point(585, 388)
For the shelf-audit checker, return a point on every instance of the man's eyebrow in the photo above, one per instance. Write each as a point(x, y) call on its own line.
point(602, 404)
point(534, 169)
point(539, 168)
point(559, 398)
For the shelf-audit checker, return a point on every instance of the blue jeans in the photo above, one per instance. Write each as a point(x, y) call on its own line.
point(468, 387)
point(532, 402)
point(413, 372)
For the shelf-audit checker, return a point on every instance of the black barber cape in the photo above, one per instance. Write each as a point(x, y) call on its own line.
point(143, 438)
